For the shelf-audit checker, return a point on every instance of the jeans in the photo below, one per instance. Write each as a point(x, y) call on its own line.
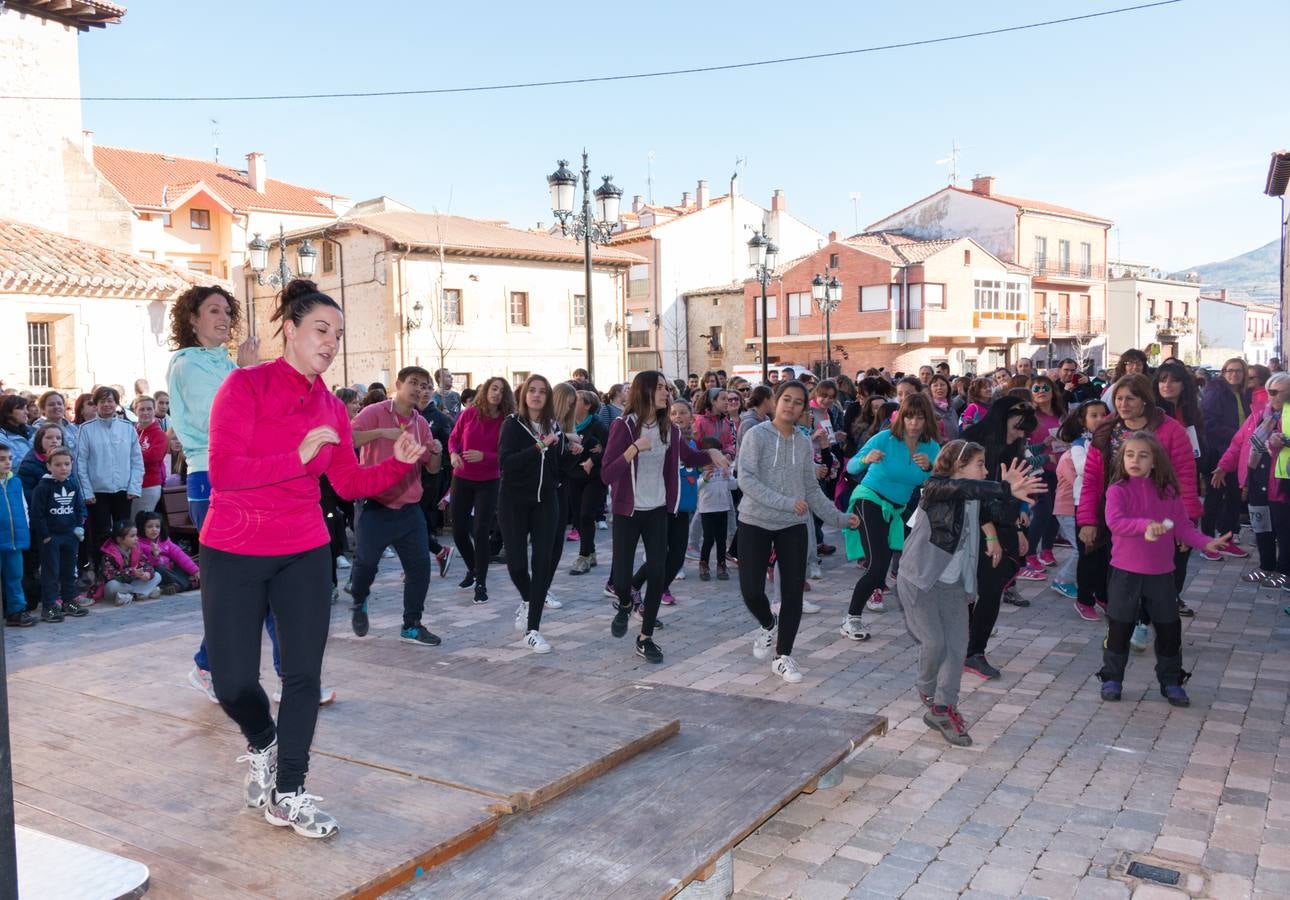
point(471, 537)
point(1065, 572)
point(650, 527)
point(404, 529)
point(199, 497)
point(533, 526)
point(147, 501)
point(789, 544)
point(238, 591)
point(58, 569)
point(15, 599)
point(1043, 527)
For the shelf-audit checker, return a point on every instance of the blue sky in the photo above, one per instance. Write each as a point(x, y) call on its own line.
point(1160, 119)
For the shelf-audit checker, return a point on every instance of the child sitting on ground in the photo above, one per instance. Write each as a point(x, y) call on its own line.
point(1145, 514)
point(177, 570)
point(715, 504)
point(123, 574)
point(57, 529)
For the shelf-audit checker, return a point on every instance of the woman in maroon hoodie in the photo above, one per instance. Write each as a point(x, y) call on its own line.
point(275, 429)
point(153, 443)
point(642, 468)
point(475, 476)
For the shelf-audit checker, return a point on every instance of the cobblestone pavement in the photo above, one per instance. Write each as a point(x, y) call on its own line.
point(1057, 792)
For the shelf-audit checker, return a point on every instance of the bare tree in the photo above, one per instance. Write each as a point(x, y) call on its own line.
point(442, 320)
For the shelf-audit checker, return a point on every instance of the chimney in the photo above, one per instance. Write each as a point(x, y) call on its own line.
point(833, 236)
point(87, 145)
point(255, 172)
point(1222, 293)
point(983, 185)
point(701, 194)
point(777, 202)
point(734, 185)
point(637, 203)
point(685, 199)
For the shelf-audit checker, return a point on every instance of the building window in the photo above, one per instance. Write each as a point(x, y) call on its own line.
point(518, 378)
point(200, 265)
point(520, 309)
point(199, 219)
point(1014, 296)
point(638, 281)
point(579, 310)
point(799, 304)
point(451, 306)
point(40, 354)
point(328, 256)
point(1151, 308)
point(873, 297)
point(1085, 259)
point(987, 295)
point(833, 260)
point(642, 361)
point(714, 339)
point(1041, 251)
point(716, 301)
point(1064, 255)
point(638, 338)
point(165, 220)
point(461, 381)
point(1041, 303)
point(934, 296)
point(895, 296)
point(967, 257)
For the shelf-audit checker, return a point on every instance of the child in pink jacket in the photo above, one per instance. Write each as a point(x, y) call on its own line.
point(177, 570)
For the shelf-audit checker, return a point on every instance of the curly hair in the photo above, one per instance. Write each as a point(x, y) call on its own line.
point(187, 307)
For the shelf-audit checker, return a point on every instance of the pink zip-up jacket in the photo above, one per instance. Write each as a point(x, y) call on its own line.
point(1064, 498)
point(264, 501)
point(1131, 506)
point(476, 432)
point(166, 554)
point(115, 567)
point(1096, 466)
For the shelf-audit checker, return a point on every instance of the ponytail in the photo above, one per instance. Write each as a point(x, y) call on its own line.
point(296, 300)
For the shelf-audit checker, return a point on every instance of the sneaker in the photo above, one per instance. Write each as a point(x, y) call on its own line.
point(51, 614)
point(358, 620)
point(169, 590)
point(74, 610)
point(1087, 613)
point(602, 526)
point(1111, 690)
point(153, 594)
point(785, 668)
point(573, 537)
point(1175, 694)
point(335, 595)
point(622, 613)
point(1066, 589)
point(638, 610)
point(261, 771)
point(342, 562)
point(927, 699)
point(680, 574)
point(300, 812)
point(1138, 641)
point(444, 558)
point(1235, 551)
point(1212, 557)
point(1046, 557)
point(608, 590)
point(723, 574)
point(825, 549)
point(1032, 574)
point(691, 552)
point(731, 559)
point(326, 695)
point(806, 587)
point(467, 582)
point(853, 628)
point(481, 594)
point(522, 617)
point(815, 573)
point(809, 608)
point(1186, 611)
point(581, 566)
point(388, 553)
point(1100, 603)
point(594, 562)
point(420, 635)
point(552, 602)
point(705, 573)
point(124, 599)
point(536, 642)
point(647, 650)
point(1012, 598)
point(979, 665)
point(764, 640)
point(201, 680)
point(876, 603)
point(950, 724)
point(668, 599)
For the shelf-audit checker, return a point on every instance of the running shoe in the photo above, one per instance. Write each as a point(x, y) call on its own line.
point(815, 574)
point(581, 566)
point(622, 613)
point(74, 610)
point(723, 574)
point(1035, 574)
point(1212, 557)
point(420, 635)
point(764, 640)
point(785, 668)
point(467, 582)
point(536, 642)
point(201, 680)
point(950, 724)
point(1012, 598)
point(444, 558)
point(1046, 557)
point(979, 665)
point(326, 695)
point(608, 591)
point(691, 552)
point(1175, 694)
point(668, 599)
point(553, 602)
point(1235, 551)
point(876, 603)
point(925, 698)
point(573, 536)
point(388, 553)
point(853, 628)
point(52, 614)
point(1066, 589)
point(1087, 613)
point(1138, 641)
point(1111, 690)
point(809, 608)
point(262, 769)
point(358, 620)
point(301, 813)
point(481, 593)
point(649, 651)
point(1185, 611)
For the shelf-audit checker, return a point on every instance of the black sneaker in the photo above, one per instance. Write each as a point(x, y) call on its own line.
point(979, 665)
point(74, 610)
point(647, 650)
point(444, 558)
point(1186, 611)
point(419, 634)
point(359, 621)
point(51, 614)
point(1012, 598)
point(468, 581)
point(481, 594)
point(618, 627)
point(21, 619)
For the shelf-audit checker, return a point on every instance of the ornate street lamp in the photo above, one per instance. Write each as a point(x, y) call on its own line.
point(258, 250)
point(762, 257)
point(826, 291)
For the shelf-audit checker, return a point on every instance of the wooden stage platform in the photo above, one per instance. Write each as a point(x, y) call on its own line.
point(465, 785)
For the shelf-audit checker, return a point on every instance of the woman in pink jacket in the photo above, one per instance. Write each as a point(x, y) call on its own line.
point(1134, 409)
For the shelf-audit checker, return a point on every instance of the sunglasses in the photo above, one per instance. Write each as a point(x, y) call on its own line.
point(1041, 389)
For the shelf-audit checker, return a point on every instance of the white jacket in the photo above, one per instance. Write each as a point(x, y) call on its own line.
point(108, 458)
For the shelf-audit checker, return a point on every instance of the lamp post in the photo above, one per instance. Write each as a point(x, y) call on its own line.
point(589, 229)
point(826, 291)
point(762, 256)
point(258, 248)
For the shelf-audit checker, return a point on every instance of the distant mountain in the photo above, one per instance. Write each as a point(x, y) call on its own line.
point(1250, 276)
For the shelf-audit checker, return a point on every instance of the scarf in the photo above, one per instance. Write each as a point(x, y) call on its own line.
point(580, 427)
point(890, 514)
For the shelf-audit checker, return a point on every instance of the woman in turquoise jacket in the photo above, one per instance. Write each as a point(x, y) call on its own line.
point(890, 467)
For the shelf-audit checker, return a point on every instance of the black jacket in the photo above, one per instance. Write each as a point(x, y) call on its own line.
point(593, 436)
point(57, 507)
point(943, 500)
point(528, 474)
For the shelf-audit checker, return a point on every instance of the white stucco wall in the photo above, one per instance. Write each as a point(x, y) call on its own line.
point(1222, 331)
point(951, 214)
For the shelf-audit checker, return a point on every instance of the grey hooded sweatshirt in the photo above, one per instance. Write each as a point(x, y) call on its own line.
point(774, 473)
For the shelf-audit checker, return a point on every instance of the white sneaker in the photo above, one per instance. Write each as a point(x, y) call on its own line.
point(601, 526)
point(154, 593)
point(298, 811)
point(123, 599)
point(536, 642)
point(808, 607)
point(260, 775)
point(342, 562)
point(201, 680)
point(764, 640)
point(680, 576)
point(522, 617)
point(1138, 641)
point(816, 574)
point(325, 696)
point(608, 591)
point(785, 668)
point(388, 553)
point(876, 602)
point(552, 602)
point(854, 629)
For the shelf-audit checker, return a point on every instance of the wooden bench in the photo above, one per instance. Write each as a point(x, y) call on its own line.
point(174, 506)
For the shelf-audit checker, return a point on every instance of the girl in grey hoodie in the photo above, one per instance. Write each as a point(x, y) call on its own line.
point(777, 476)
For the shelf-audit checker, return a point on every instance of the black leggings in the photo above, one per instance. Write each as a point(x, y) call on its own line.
point(678, 532)
point(1090, 572)
point(237, 591)
point(789, 544)
point(1131, 593)
point(990, 582)
point(714, 533)
point(874, 531)
point(586, 502)
point(470, 536)
point(106, 511)
point(651, 527)
point(1222, 507)
point(530, 524)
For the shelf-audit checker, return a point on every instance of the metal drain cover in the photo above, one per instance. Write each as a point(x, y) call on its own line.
point(1157, 874)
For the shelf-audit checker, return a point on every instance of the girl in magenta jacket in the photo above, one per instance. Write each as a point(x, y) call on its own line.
point(177, 570)
point(476, 475)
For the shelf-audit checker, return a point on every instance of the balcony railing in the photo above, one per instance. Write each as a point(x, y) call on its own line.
point(909, 319)
point(1172, 324)
point(1058, 268)
point(1067, 326)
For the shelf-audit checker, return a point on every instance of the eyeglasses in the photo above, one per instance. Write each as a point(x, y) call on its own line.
point(1041, 389)
point(1233, 371)
point(744, 390)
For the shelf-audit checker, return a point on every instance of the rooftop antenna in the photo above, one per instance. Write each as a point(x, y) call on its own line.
point(953, 161)
point(649, 176)
point(855, 208)
point(215, 137)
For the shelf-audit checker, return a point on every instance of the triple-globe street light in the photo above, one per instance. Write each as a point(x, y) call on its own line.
point(762, 256)
point(826, 291)
point(258, 249)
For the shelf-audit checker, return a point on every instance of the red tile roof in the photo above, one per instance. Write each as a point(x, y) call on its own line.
point(670, 214)
point(1038, 206)
point(37, 261)
point(84, 14)
point(144, 178)
point(898, 249)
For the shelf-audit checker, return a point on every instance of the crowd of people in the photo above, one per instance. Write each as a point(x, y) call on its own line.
point(952, 489)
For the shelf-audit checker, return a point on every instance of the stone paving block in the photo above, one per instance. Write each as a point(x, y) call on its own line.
point(924, 891)
point(818, 889)
point(948, 875)
point(1054, 885)
point(888, 880)
point(1230, 887)
point(842, 870)
point(1094, 888)
point(997, 879)
point(1065, 862)
point(779, 880)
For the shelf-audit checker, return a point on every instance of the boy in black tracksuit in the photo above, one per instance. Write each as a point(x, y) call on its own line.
point(57, 514)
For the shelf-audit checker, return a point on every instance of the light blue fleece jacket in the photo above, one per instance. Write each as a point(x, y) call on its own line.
point(194, 375)
point(108, 457)
point(896, 476)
